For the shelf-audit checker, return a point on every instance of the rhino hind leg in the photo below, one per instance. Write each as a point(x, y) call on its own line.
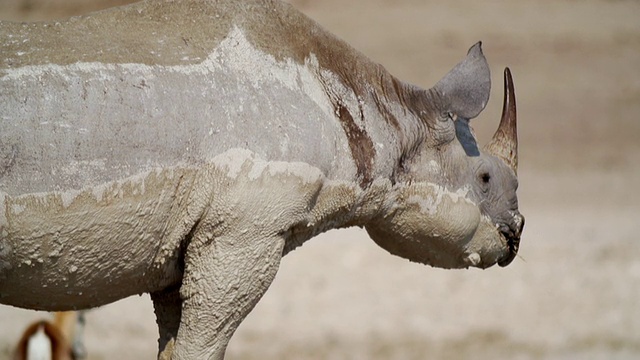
point(224, 278)
point(168, 309)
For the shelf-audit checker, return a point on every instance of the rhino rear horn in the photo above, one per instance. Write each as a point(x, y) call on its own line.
point(504, 144)
point(467, 86)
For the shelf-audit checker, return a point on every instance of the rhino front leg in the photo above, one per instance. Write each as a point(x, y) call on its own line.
point(168, 308)
point(223, 280)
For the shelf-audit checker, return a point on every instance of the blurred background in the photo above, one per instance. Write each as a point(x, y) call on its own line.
point(574, 291)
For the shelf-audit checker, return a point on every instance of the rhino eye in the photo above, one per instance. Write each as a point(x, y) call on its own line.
point(485, 177)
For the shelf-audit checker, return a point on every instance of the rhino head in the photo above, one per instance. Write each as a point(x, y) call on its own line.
point(454, 204)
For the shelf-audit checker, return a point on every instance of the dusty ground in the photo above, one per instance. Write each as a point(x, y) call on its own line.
point(575, 291)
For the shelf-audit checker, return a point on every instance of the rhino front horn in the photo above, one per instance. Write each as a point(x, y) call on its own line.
point(505, 141)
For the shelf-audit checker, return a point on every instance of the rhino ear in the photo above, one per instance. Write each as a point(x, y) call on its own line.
point(466, 88)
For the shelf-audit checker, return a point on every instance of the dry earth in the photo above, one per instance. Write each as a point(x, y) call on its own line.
point(575, 291)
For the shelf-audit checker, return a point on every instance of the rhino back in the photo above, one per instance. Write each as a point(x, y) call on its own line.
point(87, 112)
point(86, 124)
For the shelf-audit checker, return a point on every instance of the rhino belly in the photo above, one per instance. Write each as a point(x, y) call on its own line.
point(85, 248)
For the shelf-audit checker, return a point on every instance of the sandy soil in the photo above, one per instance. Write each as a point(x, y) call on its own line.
point(574, 293)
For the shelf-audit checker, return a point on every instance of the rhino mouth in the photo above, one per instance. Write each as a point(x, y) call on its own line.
point(512, 235)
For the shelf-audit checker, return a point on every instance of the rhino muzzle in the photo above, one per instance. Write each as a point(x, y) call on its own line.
point(512, 234)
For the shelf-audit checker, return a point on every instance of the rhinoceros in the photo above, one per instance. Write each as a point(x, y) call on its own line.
point(181, 148)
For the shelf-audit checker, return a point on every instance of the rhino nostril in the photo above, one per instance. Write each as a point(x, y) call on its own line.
point(507, 230)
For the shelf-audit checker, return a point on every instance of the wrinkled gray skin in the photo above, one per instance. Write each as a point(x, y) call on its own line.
point(182, 148)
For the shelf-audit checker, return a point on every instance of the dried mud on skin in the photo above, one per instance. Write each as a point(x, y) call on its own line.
point(572, 293)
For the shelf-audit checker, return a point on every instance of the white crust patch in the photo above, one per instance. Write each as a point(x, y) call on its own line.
point(430, 204)
point(233, 161)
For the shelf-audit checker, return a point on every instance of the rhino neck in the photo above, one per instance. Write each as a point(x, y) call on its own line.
point(385, 122)
point(397, 123)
